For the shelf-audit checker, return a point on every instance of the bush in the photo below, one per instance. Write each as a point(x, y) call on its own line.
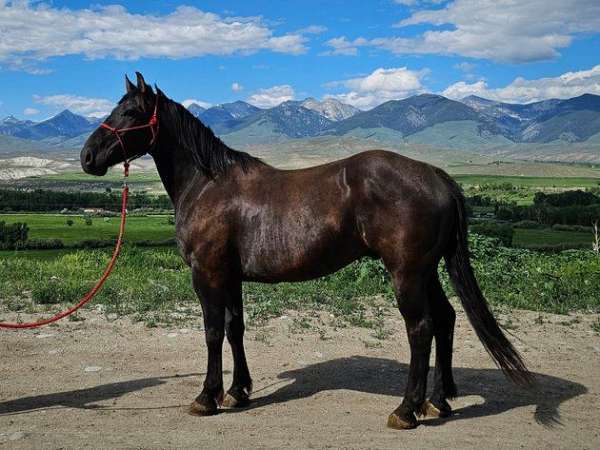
point(504, 213)
point(14, 234)
point(70, 222)
point(528, 224)
point(503, 232)
point(94, 243)
point(567, 198)
point(43, 244)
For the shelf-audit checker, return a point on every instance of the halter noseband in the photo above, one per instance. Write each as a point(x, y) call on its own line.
point(153, 124)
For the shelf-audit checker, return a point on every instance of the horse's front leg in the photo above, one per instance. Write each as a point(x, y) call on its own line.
point(212, 291)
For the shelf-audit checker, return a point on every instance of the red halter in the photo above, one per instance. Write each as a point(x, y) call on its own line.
point(153, 124)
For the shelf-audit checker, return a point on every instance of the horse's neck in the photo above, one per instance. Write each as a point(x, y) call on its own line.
point(178, 172)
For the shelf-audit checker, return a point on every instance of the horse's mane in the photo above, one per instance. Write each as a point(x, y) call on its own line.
point(211, 155)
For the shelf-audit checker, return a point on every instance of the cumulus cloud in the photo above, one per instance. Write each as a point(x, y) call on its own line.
point(380, 86)
point(93, 107)
point(31, 111)
point(38, 31)
point(567, 85)
point(237, 87)
point(191, 101)
point(499, 30)
point(342, 46)
point(271, 97)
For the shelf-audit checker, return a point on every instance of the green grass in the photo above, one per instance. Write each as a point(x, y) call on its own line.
point(114, 175)
point(526, 238)
point(529, 182)
point(54, 226)
point(40, 255)
point(148, 181)
point(357, 295)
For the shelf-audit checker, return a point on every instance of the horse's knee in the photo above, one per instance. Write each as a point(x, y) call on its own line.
point(214, 336)
point(234, 329)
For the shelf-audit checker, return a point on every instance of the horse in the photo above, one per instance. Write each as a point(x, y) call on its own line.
point(239, 219)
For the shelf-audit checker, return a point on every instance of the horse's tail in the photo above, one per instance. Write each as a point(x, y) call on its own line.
point(474, 303)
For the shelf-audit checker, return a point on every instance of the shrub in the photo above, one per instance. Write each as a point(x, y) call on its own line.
point(503, 232)
point(70, 222)
point(42, 244)
point(13, 234)
point(528, 224)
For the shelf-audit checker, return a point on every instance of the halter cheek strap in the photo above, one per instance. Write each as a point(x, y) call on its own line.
point(153, 124)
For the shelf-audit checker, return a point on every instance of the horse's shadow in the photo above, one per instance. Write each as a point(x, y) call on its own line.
point(357, 373)
point(86, 398)
point(388, 377)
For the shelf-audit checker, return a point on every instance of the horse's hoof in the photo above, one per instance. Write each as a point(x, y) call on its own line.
point(237, 397)
point(231, 402)
point(428, 409)
point(198, 409)
point(402, 423)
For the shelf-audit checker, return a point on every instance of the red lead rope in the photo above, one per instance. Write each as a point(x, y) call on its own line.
point(90, 295)
point(153, 125)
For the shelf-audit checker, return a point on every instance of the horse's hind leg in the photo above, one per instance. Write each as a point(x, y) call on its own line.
point(443, 316)
point(411, 294)
point(239, 393)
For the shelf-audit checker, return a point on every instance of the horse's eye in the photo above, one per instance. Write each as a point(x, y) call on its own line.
point(130, 113)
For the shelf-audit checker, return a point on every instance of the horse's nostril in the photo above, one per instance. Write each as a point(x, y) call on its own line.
point(88, 158)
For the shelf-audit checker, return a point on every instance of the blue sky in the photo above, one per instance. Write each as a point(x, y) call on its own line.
point(73, 54)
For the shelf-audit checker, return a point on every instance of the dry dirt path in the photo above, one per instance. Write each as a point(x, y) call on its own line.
point(101, 384)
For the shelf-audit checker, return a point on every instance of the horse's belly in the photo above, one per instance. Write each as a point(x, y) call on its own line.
point(299, 257)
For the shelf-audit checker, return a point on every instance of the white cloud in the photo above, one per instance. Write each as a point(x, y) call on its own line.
point(273, 96)
point(380, 86)
point(31, 111)
point(499, 30)
point(237, 87)
point(93, 107)
point(38, 31)
point(465, 67)
point(342, 46)
point(191, 101)
point(312, 29)
point(567, 85)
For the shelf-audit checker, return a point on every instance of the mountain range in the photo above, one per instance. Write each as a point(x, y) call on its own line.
point(472, 123)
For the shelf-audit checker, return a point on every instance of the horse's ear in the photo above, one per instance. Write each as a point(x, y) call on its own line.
point(129, 86)
point(141, 84)
point(159, 92)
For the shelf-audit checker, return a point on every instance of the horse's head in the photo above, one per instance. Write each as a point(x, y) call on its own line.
point(128, 132)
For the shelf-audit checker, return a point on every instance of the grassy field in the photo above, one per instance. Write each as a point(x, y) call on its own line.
point(157, 228)
point(147, 181)
point(114, 175)
point(54, 226)
point(518, 189)
point(510, 278)
point(529, 182)
point(526, 238)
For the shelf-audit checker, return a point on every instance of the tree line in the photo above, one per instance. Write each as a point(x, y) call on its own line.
point(40, 200)
point(568, 208)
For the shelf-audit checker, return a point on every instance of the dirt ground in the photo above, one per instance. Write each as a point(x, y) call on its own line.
point(114, 384)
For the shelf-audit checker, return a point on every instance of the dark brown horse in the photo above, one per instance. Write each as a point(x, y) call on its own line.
point(239, 219)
